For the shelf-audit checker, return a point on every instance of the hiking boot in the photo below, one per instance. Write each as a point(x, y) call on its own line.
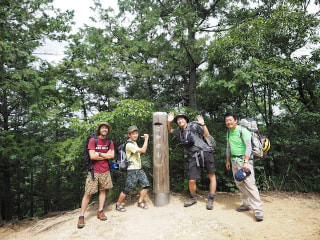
point(210, 204)
point(244, 208)
point(101, 216)
point(80, 223)
point(190, 202)
point(258, 216)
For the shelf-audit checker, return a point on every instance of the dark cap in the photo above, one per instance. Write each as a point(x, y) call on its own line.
point(241, 175)
point(180, 115)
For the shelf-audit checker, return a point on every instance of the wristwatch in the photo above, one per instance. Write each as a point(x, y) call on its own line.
point(245, 161)
point(99, 154)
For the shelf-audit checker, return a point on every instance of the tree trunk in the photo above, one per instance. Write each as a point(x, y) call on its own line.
point(84, 111)
point(46, 203)
point(6, 201)
point(193, 87)
point(270, 112)
point(192, 70)
point(31, 195)
point(7, 196)
point(18, 195)
point(58, 196)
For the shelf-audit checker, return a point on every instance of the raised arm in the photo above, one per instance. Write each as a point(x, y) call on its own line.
point(145, 144)
point(203, 125)
point(170, 119)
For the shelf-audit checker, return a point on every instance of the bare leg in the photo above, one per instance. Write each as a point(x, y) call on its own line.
point(122, 196)
point(193, 196)
point(213, 182)
point(102, 199)
point(143, 193)
point(192, 186)
point(84, 203)
point(212, 190)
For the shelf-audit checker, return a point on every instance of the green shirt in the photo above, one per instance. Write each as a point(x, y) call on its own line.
point(237, 146)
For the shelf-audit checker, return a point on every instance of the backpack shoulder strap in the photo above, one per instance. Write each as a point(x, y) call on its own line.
point(240, 133)
point(186, 131)
point(109, 142)
point(95, 141)
point(125, 148)
point(128, 142)
point(192, 127)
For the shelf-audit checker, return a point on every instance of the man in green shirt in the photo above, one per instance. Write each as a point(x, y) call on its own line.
point(239, 151)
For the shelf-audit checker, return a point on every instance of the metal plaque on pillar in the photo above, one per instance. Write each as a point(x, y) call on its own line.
point(161, 187)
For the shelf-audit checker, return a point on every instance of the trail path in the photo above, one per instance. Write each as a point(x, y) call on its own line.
point(287, 216)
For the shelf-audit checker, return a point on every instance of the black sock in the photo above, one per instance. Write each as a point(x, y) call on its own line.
point(211, 196)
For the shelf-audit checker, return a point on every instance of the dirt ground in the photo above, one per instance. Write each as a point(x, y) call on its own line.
point(287, 216)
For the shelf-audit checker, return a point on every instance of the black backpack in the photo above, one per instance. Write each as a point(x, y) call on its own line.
point(86, 157)
point(122, 160)
point(193, 135)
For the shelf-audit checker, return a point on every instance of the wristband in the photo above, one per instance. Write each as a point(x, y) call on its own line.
point(203, 125)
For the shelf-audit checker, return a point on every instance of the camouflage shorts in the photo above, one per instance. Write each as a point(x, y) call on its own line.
point(102, 180)
point(136, 178)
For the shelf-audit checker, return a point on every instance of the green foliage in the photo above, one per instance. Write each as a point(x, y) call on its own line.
point(256, 67)
point(292, 162)
point(163, 47)
point(167, 55)
point(88, 68)
point(27, 92)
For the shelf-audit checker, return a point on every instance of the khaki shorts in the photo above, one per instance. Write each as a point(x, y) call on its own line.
point(102, 180)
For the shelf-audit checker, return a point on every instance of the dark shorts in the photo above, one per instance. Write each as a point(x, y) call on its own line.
point(102, 180)
point(136, 178)
point(208, 164)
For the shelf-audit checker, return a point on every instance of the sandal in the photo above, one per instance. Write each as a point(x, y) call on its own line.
point(120, 208)
point(142, 205)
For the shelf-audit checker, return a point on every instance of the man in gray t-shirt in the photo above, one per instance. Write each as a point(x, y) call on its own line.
point(199, 153)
